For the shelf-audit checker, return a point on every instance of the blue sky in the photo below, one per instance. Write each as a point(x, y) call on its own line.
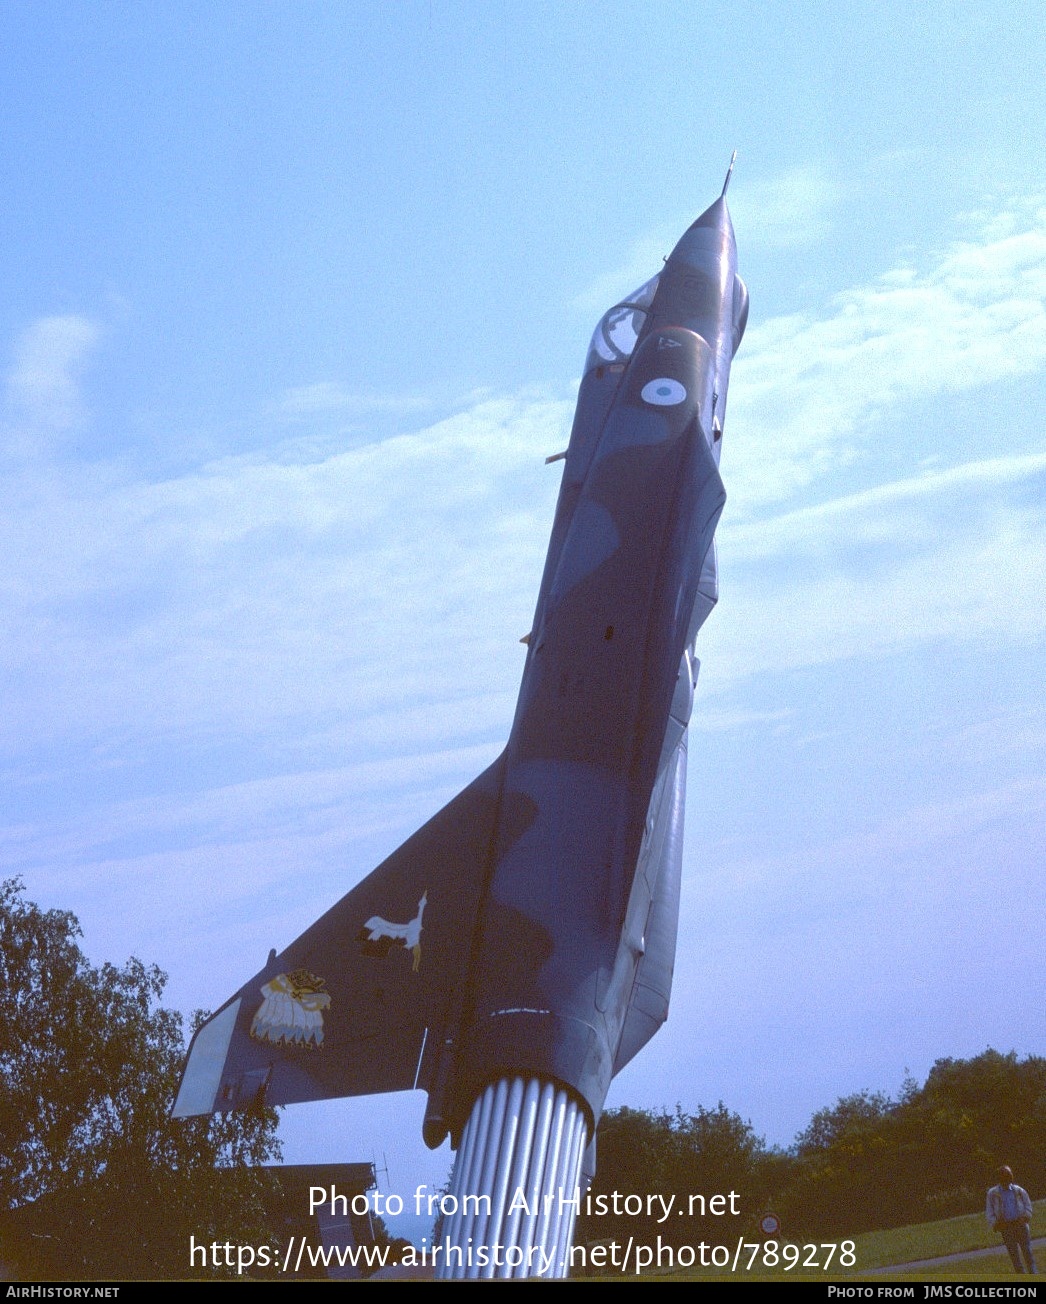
point(295, 301)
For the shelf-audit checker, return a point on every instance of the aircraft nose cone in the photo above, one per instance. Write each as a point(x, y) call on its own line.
point(717, 216)
point(713, 232)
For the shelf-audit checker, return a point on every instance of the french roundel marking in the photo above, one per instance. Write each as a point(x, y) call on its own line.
point(662, 392)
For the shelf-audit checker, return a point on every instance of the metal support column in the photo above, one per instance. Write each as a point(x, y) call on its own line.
point(515, 1183)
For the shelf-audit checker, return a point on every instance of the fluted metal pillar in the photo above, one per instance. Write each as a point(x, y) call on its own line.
point(515, 1184)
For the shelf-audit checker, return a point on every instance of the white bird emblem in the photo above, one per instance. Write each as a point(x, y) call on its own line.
point(382, 933)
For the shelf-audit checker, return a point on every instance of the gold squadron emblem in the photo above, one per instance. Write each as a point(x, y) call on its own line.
point(292, 1011)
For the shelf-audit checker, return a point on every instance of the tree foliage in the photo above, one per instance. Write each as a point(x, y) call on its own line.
point(657, 1153)
point(102, 1181)
point(869, 1161)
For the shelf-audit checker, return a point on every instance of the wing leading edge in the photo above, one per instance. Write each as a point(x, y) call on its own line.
point(350, 1007)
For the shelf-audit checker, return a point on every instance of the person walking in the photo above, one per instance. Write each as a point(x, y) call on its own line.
point(1008, 1211)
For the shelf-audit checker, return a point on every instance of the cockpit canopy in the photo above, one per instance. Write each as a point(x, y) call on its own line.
point(740, 310)
point(615, 337)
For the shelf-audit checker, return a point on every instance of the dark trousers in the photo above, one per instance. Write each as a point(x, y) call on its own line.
point(1017, 1239)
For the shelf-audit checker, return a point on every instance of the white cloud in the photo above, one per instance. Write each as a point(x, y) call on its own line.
point(955, 555)
point(250, 592)
point(897, 837)
point(807, 390)
point(331, 398)
point(718, 721)
point(42, 385)
point(888, 512)
point(784, 211)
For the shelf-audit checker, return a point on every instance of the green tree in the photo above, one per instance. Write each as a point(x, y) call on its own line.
point(101, 1180)
point(871, 1161)
point(847, 1178)
point(657, 1153)
point(1000, 1101)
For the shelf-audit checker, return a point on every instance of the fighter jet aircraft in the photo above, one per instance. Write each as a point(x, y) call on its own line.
point(529, 928)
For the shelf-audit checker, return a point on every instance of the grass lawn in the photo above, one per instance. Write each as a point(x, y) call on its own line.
point(931, 1240)
point(886, 1249)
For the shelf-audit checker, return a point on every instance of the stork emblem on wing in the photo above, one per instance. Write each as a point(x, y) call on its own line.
point(378, 934)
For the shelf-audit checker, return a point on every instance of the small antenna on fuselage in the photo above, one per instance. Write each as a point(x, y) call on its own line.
point(729, 173)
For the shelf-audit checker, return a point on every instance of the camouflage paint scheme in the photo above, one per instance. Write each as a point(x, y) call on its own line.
point(549, 888)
